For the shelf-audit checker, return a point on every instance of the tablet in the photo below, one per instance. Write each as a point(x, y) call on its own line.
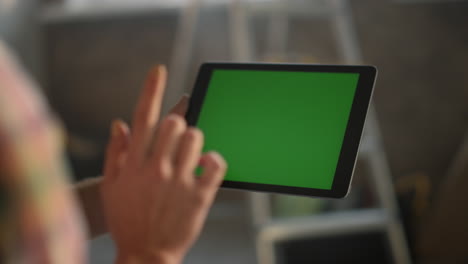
point(284, 128)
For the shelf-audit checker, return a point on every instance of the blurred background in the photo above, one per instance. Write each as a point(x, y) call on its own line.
point(407, 203)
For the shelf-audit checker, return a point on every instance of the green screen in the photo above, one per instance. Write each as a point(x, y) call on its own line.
point(278, 127)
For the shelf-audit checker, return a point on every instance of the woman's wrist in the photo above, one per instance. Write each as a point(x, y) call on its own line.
point(88, 193)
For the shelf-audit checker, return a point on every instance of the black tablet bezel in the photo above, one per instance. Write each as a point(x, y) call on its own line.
point(349, 149)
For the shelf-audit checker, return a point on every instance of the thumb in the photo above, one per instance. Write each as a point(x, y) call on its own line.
point(181, 107)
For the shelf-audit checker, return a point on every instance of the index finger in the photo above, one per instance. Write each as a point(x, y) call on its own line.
point(147, 110)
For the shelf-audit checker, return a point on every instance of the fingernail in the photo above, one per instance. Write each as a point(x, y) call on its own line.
point(155, 69)
point(160, 68)
point(151, 77)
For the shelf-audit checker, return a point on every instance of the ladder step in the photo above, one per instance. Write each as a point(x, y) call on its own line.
point(326, 224)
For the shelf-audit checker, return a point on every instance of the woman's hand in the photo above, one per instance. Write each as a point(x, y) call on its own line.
point(155, 206)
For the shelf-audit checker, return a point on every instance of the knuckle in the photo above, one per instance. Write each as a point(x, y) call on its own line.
point(183, 185)
point(175, 122)
point(218, 164)
point(163, 169)
point(193, 134)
